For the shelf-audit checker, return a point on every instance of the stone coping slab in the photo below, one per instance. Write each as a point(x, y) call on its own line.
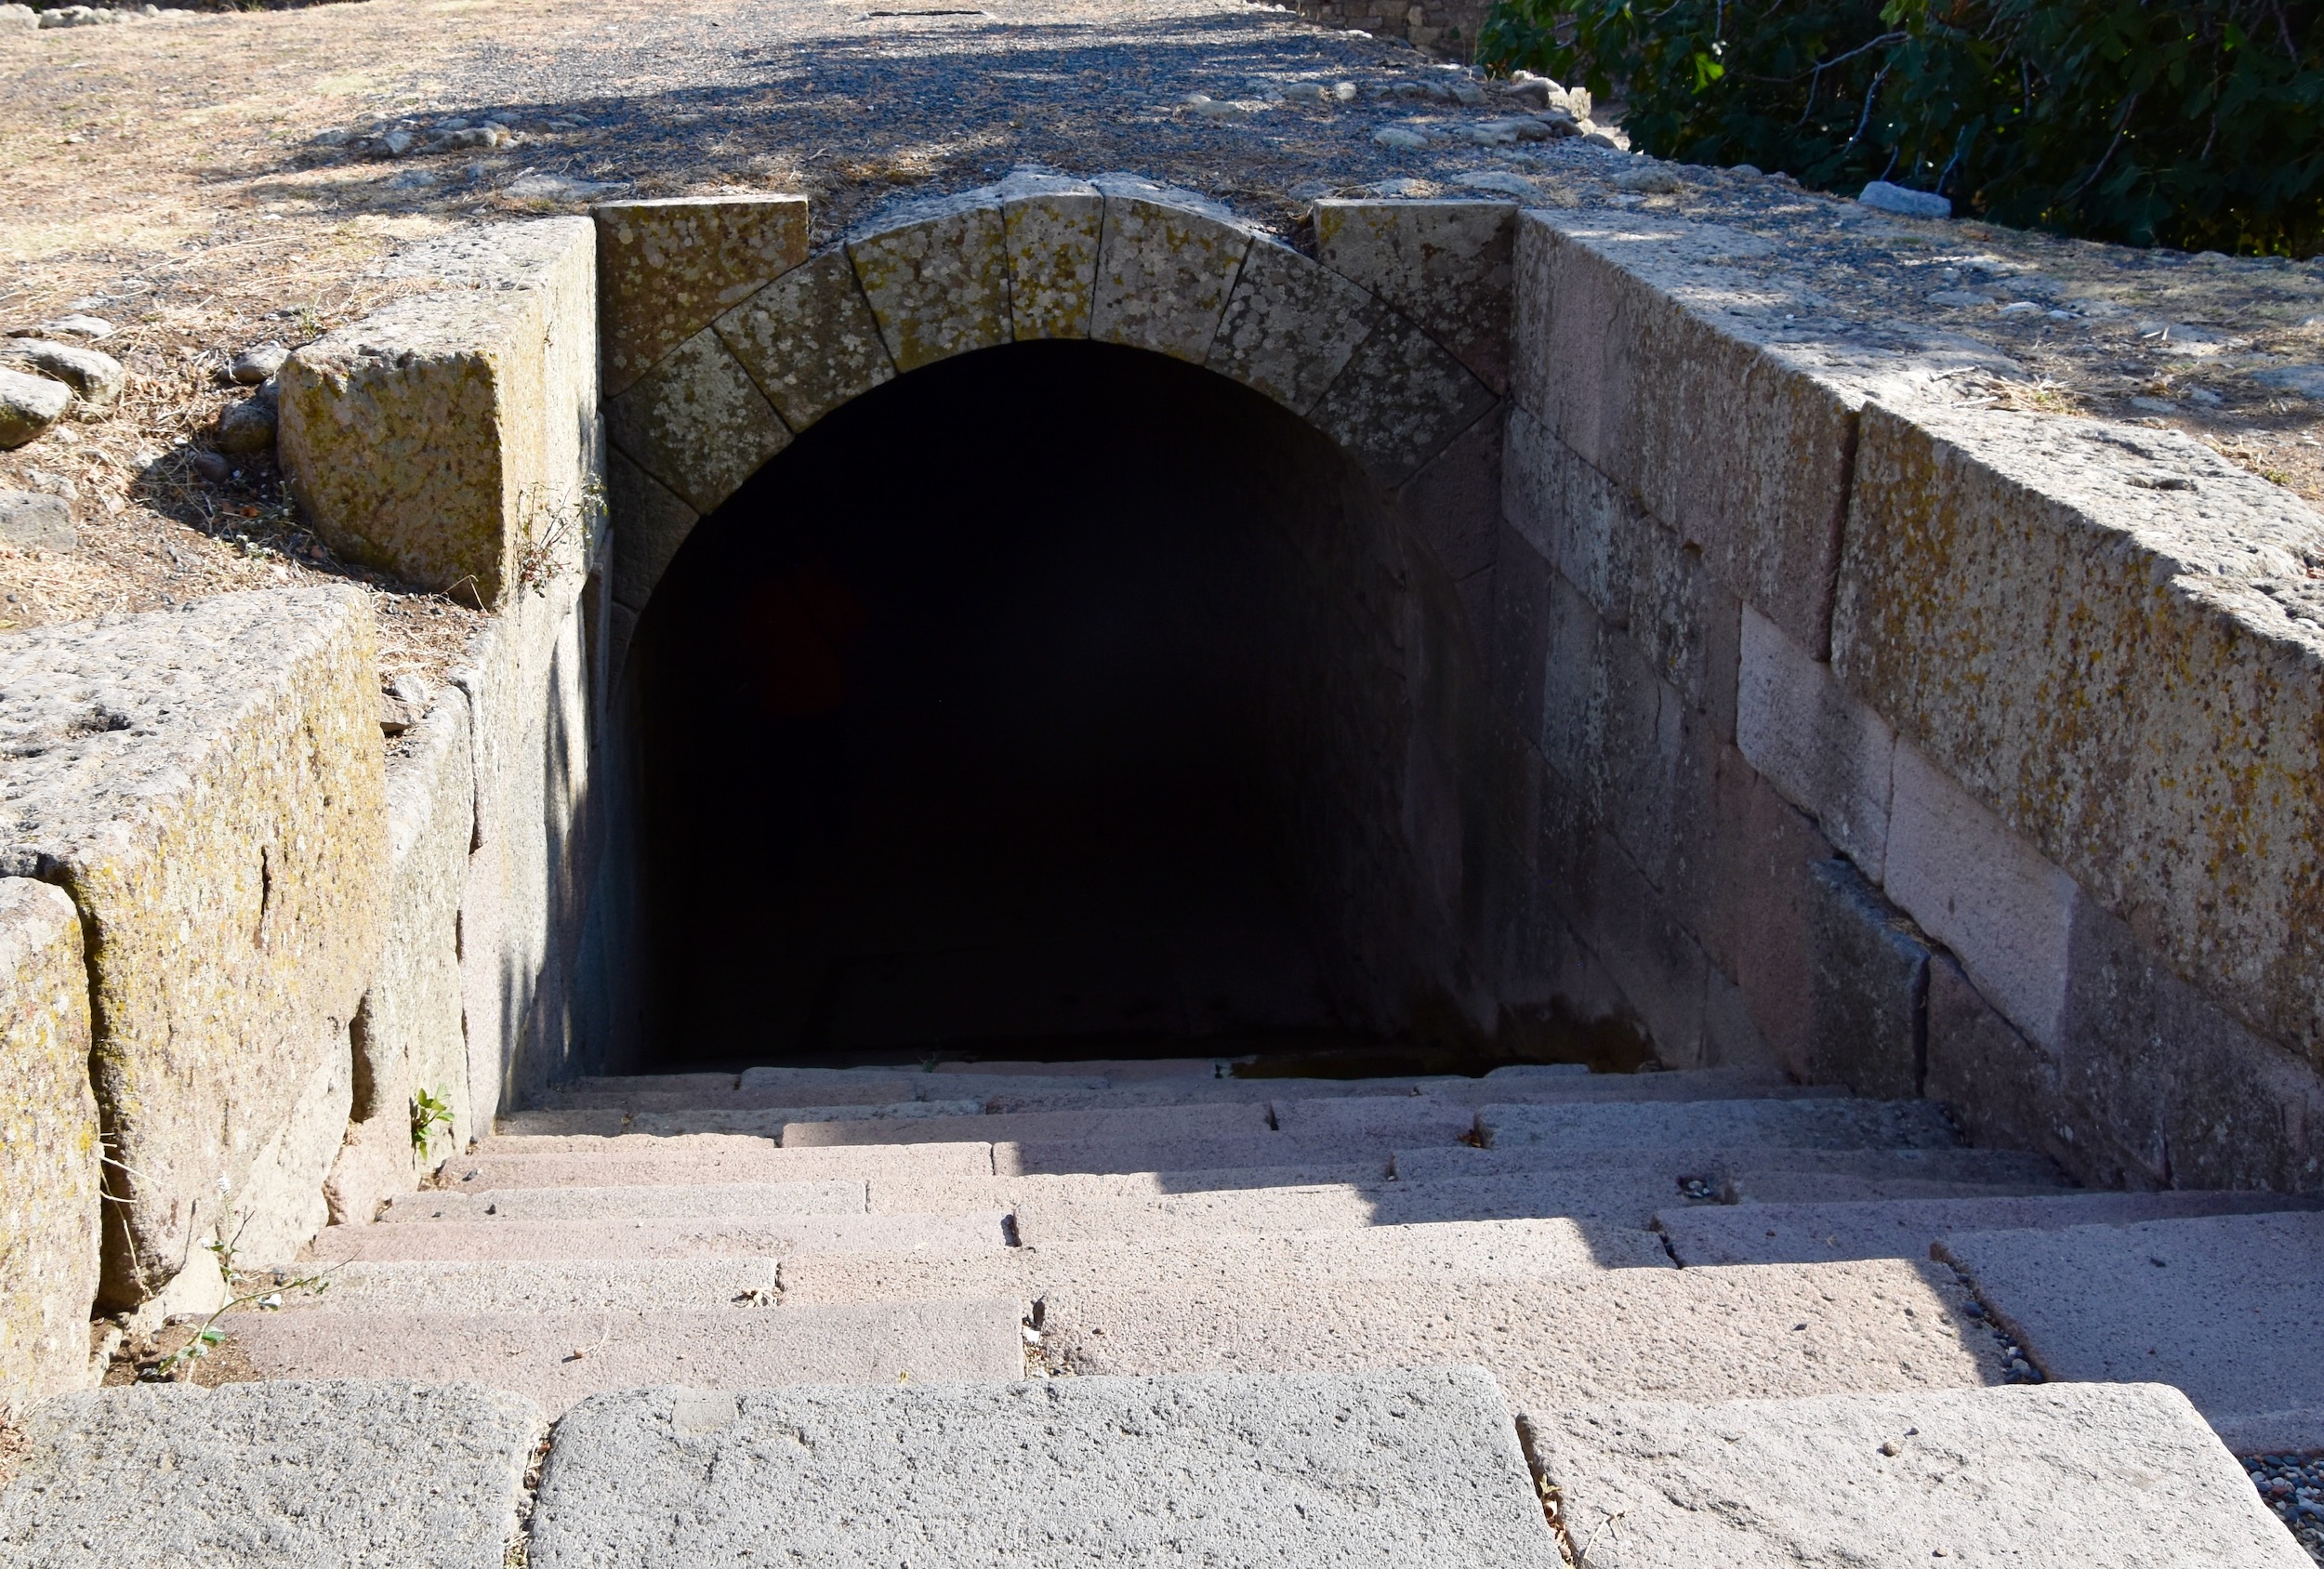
point(502, 1285)
point(773, 1236)
point(559, 1358)
point(2060, 1476)
point(371, 1475)
point(1400, 1468)
point(2229, 1309)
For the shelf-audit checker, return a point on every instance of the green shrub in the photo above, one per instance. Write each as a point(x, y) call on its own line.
point(2189, 123)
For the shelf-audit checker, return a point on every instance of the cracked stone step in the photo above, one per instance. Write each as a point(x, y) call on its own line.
point(1386, 1468)
point(1767, 1331)
point(1788, 1233)
point(774, 1237)
point(533, 1285)
point(558, 1358)
point(2228, 1309)
point(1984, 1167)
point(1828, 1124)
point(631, 1160)
point(658, 1201)
point(270, 1476)
point(2056, 1476)
point(1320, 1260)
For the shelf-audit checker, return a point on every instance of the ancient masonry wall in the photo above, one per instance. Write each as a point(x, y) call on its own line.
point(1760, 694)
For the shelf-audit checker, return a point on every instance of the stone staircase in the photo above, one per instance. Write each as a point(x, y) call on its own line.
point(1039, 1314)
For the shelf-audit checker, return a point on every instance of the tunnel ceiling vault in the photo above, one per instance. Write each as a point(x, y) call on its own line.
point(709, 377)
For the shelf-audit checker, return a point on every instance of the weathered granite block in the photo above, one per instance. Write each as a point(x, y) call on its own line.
point(936, 275)
point(1166, 267)
point(648, 522)
point(1291, 325)
point(2002, 1087)
point(1446, 265)
point(442, 437)
point(668, 268)
point(696, 423)
point(2111, 637)
point(1869, 987)
point(808, 341)
point(1400, 402)
point(1053, 226)
point(208, 784)
point(1829, 753)
point(49, 1175)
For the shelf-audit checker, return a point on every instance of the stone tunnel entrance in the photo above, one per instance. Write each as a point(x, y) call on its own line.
point(1062, 695)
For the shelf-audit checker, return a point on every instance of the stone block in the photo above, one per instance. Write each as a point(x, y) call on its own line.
point(936, 274)
point(669, 268)
point(49, 1174)
point(1452, 506)
point(2051, 1477)
point(696, 423)
point(1829, 753)
point(1870, 988)
point(272, 1476)
point(2002, 1087)
point(451, 434)
point(1291, 325)
point(808, 341)
point(1982, 890)
point(2109, 636)
point(283, 1201)
point(206, 784)
point(1166, 267)
point(1447, 265)
point(1054, 227)
point(648, 522)
point(1400, 402)
point(1405, 1467)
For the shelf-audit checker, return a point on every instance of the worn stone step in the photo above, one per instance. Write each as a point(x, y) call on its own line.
point(774, 1237)
point(1985, 1168)
point(662, 1115)
point(1786, 1233)
point(1443, 1117)
point(2228, 1309)
point(1320, 1260)
point(1405, 1468)
point(630, 1160)
point(540, 1285)
point(944, 1195)
point(2058, 1476)
point(270, 1476)
point(1234, 1119)
point(1129, 1153)
point(558, 1358)
point(703, 1201)
point(1773, 1331)
point(1826, 1124)
point(1515, 1084)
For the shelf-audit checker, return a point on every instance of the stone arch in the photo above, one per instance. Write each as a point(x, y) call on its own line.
point(723, 340)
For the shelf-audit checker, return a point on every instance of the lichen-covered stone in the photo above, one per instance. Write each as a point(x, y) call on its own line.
point(1291, 325)
point(2114, 639)
point(49, 1175)
point(697, 422)
point(442, 438)
point(1447, 265)
point(808, 341)
point(666, 269)
point(1053, 226)
point(208, 786)
point(649, 523)
point(1400, 402)
point(936, 274)
point(1166, 267)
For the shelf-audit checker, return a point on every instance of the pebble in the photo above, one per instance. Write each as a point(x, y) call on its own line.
point(246, 426)
point(2293, 1488)
point(97, 376)
point(29, 405)
point(255, 364)
point(32, 522)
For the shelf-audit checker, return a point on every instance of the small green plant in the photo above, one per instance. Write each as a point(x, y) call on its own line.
point(210, 1337)
point(431, 1114)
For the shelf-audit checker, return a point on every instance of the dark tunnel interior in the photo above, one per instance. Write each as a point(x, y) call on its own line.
point(1049, 701)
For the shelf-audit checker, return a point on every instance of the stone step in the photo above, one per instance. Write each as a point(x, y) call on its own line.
point(1505, 1084)
point(662, 1115)
point(2228, 1309)
point(774, 1237)
point(1319, 1260)
point(1985, 1168)
point(269, 1474)
point(1226, 1120)
point(1441, 1119)
point(945, 1195)
point(558, 1358)
point(1419, 1467)
point(1827, 1125)
point(2060, 1476)
point(630, 1160)
point(1788, 1233)
point(1770, 1331)
point(1128, 1152)
point(659, 1201)
point(504, 1286)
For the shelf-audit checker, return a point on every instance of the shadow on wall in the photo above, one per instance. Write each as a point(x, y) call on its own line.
point(1059, 693)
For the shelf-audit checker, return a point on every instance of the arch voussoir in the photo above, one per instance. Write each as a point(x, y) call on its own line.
point(1053, 226)
point(697, 422)
point(1166, 267)
point(1291, 327)
point(1401, 400)
point(935, 276)
point(808, 339)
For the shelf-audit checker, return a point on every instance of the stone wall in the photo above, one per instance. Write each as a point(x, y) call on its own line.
point(1445, 27)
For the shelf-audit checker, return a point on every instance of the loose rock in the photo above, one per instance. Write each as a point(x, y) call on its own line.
point(90, 327)
point(246, 427)
point(1401, 137)
point(1649, 181)
point(19, 19)
point(29, 404)
point(256, 364)
point(32, 521)
point(1904, 201)
point(97, 378)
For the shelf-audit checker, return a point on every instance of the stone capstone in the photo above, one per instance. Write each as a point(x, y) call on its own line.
point(206, 784)
point(669, 268)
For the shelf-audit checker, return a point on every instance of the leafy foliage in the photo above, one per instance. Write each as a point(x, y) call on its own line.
point(2191, 123)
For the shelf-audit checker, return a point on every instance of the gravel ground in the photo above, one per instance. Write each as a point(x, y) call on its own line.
point(191, 178)
point(2293, 1485)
